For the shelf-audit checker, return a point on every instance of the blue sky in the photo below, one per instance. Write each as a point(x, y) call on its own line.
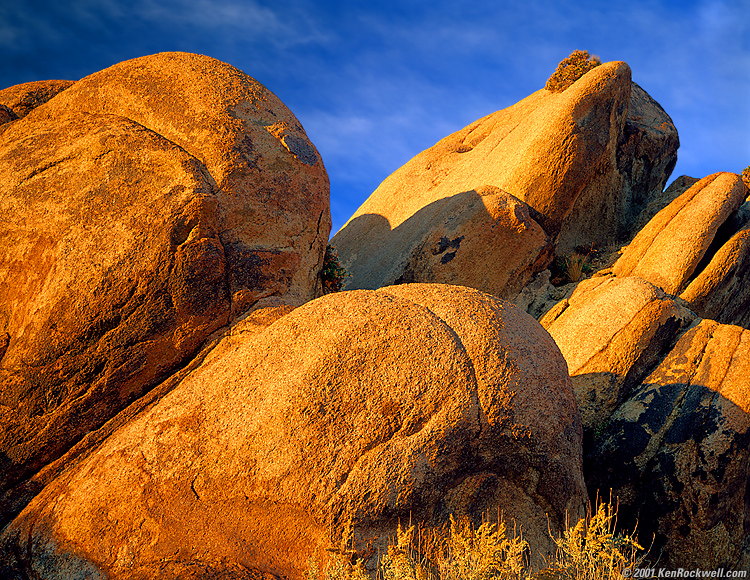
point(374, 83)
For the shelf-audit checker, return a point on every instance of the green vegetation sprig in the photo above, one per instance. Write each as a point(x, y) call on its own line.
point(570, 70)
point(333, 274)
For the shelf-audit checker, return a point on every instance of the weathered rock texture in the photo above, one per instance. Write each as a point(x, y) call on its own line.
point(6, 114)
point(584, 160)
point(668, 250)
point(721, 291)
point(677, 453)
point(21, 99)
point(350, 413)
point(658, 201)
point(141, 209)
point(611, 332)
point(485, 239)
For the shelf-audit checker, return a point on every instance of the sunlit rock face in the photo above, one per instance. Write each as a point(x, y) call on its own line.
point(577, 167)
point(344, 417)
point(611, 331)
point(670, 247)
point(141, 209)
point(677, 452)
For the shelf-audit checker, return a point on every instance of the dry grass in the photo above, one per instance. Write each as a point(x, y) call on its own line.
point(576, 267)
point(455, 551)
point(593, 550)
point(589, 550)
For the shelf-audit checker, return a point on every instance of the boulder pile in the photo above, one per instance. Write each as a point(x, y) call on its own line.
point(178, 399)
point(553, 172)
point(658, 357)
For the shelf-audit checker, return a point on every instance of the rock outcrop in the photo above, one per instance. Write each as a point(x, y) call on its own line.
point(658, 201)
point(677, 452)
point(584, 161)
point(141, 209)
point(668, 250)
point(721, 291)
point(23, 98)
point(665, 406)
point(347, 415)
point(611, 332)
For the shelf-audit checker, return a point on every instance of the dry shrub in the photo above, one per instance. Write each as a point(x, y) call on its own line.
point(576, 267)
point(570, 70)
point(593, 550)
point(590, 550)
point(566, 269)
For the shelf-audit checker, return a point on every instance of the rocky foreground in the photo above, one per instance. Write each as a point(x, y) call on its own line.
point(178, 399)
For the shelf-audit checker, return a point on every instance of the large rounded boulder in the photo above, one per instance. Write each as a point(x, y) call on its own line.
point(346, 416)
point(141, 209)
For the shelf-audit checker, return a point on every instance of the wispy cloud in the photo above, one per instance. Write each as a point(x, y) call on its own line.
point(375, 83)
point(242, 19)
point(40, 22)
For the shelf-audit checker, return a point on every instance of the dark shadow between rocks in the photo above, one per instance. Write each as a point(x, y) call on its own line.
point(454, 240)
point(675, 458)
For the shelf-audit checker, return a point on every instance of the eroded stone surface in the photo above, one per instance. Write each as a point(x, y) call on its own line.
point(141, 209)
point(350, 413)
point(721, 291)
point(676, 454)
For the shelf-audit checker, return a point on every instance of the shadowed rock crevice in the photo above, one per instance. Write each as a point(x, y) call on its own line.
point(484, 239)
point(736, 222)
point(697, 248)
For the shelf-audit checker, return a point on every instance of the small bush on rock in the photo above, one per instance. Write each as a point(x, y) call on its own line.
point(333, 274)
point(570, 70)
